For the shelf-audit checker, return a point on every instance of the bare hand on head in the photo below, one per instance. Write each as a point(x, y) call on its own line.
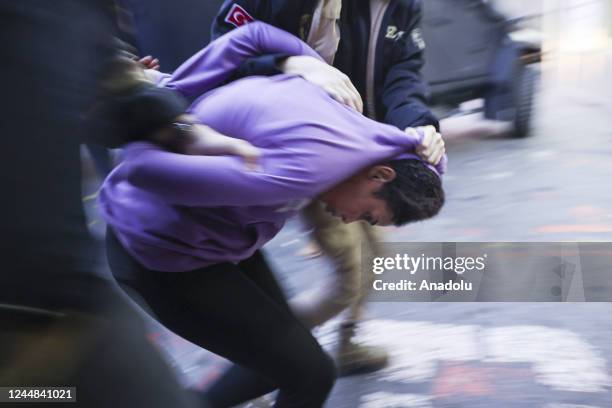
point(432, 147)
point(328, 78)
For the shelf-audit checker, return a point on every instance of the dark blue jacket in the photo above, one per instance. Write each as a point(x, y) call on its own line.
point(399, 87)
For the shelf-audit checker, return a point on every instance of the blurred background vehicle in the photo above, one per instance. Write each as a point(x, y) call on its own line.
point(471, 54)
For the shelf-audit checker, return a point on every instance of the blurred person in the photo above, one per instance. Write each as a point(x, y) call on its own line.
point(63, 320)
point(102, 157)
point(185, 232)
point(378, 45)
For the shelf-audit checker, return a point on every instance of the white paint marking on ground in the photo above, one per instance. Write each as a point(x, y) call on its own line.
point(560, 359)
point(498, 176)
point(393, 400)
point(416, 347)
point(568, 406)
point(542, 154)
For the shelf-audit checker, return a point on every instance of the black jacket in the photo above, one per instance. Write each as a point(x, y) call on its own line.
point(49, 258)
point(399, 87)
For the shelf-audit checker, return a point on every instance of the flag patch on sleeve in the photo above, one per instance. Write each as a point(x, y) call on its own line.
point(237, 16)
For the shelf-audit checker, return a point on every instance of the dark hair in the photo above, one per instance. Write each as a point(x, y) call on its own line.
point(415, 194)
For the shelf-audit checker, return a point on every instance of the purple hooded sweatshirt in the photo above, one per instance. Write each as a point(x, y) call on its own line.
point(176, 212)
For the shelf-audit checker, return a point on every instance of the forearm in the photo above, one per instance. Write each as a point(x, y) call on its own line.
point(404, 96)
point(411, 114)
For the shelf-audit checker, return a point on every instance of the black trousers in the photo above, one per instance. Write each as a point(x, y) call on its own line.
point(238, 312)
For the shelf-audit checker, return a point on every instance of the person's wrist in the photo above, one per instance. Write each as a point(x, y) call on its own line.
point(284, 64)
point(233, 146)
point(204, 140)
point(292, 65)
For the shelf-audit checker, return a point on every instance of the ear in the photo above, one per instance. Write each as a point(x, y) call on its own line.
point(381, 174)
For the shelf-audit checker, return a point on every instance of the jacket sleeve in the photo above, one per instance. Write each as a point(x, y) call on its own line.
point(230, 16)
point(404, 89)
point(213, 65)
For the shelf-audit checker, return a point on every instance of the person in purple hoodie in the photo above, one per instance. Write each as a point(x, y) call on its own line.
point(185, 232)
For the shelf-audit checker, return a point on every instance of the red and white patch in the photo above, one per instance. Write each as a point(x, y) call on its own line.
point(238, 16)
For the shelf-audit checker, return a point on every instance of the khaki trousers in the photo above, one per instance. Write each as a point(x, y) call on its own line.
point(343, 244)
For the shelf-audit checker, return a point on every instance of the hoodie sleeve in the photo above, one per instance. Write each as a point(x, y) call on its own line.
point(218, 61)
point(212, 181)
